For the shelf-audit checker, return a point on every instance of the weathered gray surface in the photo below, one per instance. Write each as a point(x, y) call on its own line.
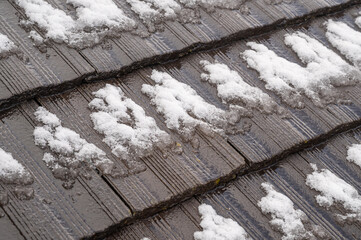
point(238, 200)
point(32, 72)
point(54, 212)
point(60, 68)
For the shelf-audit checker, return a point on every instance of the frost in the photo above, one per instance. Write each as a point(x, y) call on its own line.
point(128, 131)
point(232, 89)
point(354, 154)
point(183, 109)
point(345, 39)
point(335, 190)
point(6, 45)
point(216, 227)
point(70, 155)
point(11, 171)
point(95, 20)
point(325, 70)
point(285, 217)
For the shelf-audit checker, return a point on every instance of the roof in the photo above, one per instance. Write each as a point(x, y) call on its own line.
point(160, 192)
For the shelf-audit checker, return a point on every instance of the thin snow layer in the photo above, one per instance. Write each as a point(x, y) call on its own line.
point(325, 70)
point(354, 154)
point(69, 154)
point(211, 4)
point(11, 171)
point(284, 215)
point(232, 89)
point(216, 227)
point(335, 190)
point(95, 20)
point(6, 45)
point(128, 131)
point(345, 39)
point(184, 110)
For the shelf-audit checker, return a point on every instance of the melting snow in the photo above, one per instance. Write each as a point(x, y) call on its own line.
point(284, 215)
point(127, 129)
point(335, 190)
point(61, 27)
point(6, 45)
point(231, 88)
point(354, 154)
point(184, 110)
point(216, 227)
point(324, 71)
point(11, 171)
point(70, 154)
point(345, 39)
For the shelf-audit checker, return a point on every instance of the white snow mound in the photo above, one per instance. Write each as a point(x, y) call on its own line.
point(216, 227)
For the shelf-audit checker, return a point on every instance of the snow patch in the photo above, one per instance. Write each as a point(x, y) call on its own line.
point(216, 227)
point(6, 45)
point(358, 21)
point(128, 131)
point(335, 190)
point(345, 39)
point(354, 154)
point(70, 154)
point(232, 89)
point(183, 109)
point(285, 217)
point(324, 72)
point(95, 20)
point(11, 171)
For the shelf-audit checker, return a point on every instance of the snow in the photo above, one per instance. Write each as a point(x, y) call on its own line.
point(183, 109)
point(128, 130)
point(36, 37)
point(216, 227)
point(143, 9)
point(284, 215)
point(98, 13)
point(57, 24)
point(324, 70)
point(345, 39)
point(69, 153)
point(91, 21)
point(61, 27)
point(169, 7)
point(211, 4)
point(335, 190)
point(354, 154)
point(11, 171)
point(358, 21)
point(152, 12)
point(6, 45)
point(231, 88)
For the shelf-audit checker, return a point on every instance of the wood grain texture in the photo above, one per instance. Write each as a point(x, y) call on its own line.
point(54, 212)
point(32, 72)
point(95, 207)
point(238, 200)
point(62, 68)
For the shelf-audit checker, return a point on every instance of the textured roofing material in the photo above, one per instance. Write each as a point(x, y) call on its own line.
point(98, 204)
